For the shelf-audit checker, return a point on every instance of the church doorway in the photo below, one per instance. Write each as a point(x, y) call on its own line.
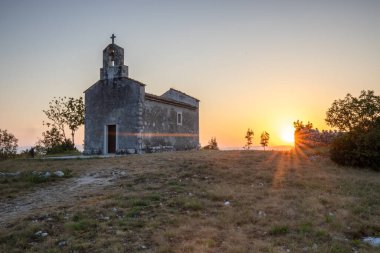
point(111, 137)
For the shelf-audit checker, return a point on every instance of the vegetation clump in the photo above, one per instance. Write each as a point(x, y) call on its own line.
point(359, 118)
point(212, 144)
point(358, 148)
point(8, 144)
point(63, 113)
point(249, 137)
point(264, 139)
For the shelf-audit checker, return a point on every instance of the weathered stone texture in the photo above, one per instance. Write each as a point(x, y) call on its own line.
point(180, 97)
point(112, 102)
point(161, 127)
point(113, 63)
point(144, 122)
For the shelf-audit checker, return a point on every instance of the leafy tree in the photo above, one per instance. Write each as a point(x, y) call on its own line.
point(53, 142)
point(249, 137)
point(56, 113)
point(298, 125)
point(264, 139)
point(51, 138)
point(212, 144)
point(359, 118)
point(8, 144)
point(299, 134)
point(74, 114)
point(351, 112)
point(65, 112)
point(358, 148)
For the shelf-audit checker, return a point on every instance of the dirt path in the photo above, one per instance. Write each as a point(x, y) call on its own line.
point(66, 191)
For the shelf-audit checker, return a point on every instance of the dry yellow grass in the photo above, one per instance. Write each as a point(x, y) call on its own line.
point(175, 202)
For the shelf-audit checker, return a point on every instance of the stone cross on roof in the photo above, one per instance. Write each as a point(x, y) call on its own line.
point(113, 38)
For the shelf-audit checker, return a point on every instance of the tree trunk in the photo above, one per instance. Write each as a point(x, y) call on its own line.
point(72, 137)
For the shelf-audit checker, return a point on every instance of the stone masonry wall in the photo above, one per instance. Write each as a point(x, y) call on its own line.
point(113, 102)
point(160, 126)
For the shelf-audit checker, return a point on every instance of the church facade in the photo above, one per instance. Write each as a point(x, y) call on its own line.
point(120, 117)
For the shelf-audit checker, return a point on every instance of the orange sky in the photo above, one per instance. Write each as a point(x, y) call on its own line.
point(253, 64)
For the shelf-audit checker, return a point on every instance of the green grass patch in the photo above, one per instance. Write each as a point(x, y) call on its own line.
point(305, 228)
point(81, 222)
point(186, 203)
point(279, 230)
point(129, 222)
point(136, 202)
point(65, 153)
point(134, 212)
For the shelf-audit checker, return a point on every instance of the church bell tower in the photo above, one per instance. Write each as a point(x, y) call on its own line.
point(113, 62)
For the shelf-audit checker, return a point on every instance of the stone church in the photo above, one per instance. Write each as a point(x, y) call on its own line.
point(120, 117)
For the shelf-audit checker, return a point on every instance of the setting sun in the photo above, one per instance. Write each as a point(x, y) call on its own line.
point(287, 134)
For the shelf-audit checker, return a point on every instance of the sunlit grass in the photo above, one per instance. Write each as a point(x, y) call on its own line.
point(176, 202)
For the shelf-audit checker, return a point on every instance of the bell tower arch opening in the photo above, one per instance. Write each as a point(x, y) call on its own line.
point(113, 62)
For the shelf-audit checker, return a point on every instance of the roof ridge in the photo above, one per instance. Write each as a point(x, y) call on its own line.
point(182, 93)
point(168, 100)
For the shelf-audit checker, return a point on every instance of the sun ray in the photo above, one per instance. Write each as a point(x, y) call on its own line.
point(287, 134)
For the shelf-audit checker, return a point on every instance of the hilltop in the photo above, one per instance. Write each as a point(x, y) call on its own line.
point(198, 201)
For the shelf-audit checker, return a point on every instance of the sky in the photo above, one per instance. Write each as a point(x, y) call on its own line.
point(252, 64)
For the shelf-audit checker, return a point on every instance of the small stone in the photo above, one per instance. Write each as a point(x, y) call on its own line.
point(62, 243)
point(227, 203)
point(131, 151)
point(262, 214)
point(143, 246)
point(59, 173)
point(9, 174)
point(47, 174)
point(41, 234)
point(114, 209)
point(374, 241)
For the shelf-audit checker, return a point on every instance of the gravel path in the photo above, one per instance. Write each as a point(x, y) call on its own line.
point(60, 193)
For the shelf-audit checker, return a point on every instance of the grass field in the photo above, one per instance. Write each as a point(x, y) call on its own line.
point(198, 201)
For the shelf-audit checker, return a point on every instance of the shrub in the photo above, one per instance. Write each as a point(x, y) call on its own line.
point(66, 145)
point(212, 144)
point(8, 144)
point(358, 148)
